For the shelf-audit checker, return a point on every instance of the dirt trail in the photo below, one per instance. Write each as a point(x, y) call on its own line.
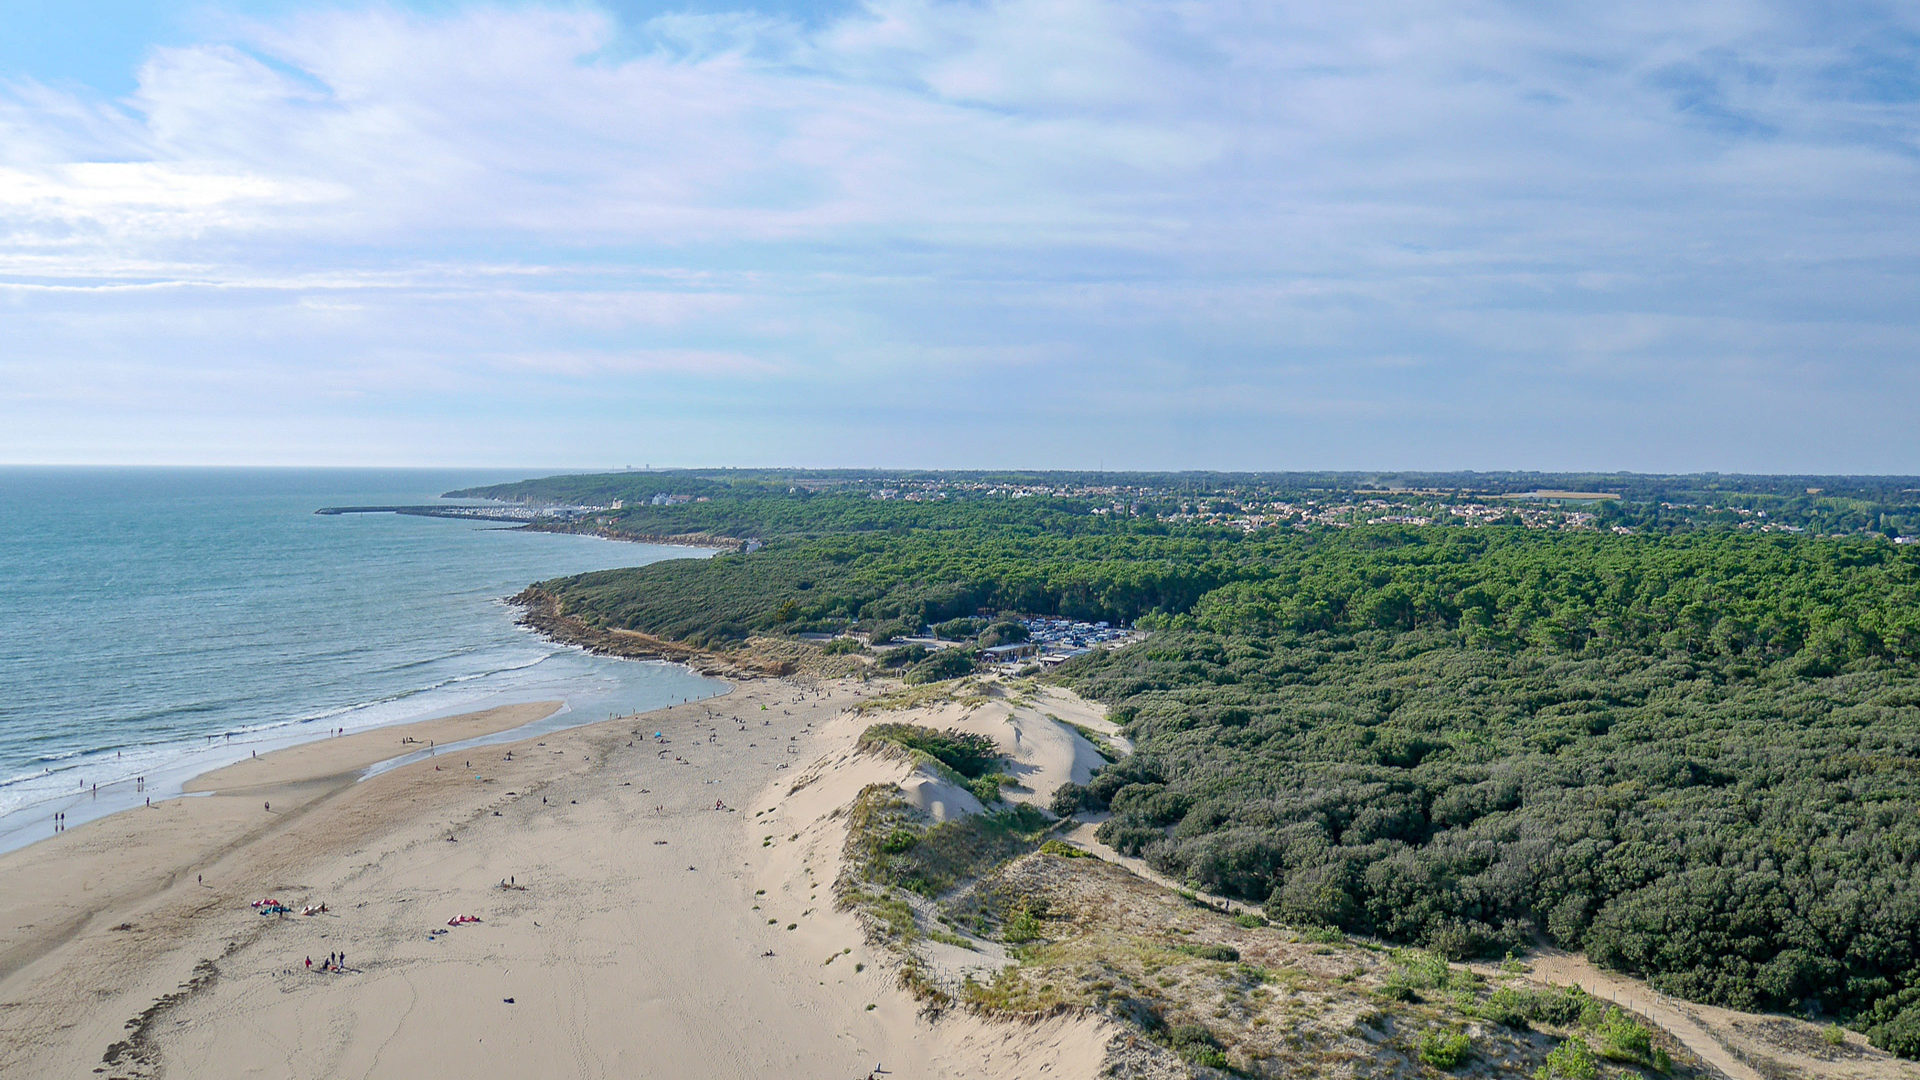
point(1745, 1046)
point(1556, 968)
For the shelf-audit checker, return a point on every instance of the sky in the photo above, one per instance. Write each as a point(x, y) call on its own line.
point(1411, 234)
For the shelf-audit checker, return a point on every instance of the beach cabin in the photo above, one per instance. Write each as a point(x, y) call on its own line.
point(1008, 654)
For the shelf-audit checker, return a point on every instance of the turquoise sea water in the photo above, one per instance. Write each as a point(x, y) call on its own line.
point(160, 622)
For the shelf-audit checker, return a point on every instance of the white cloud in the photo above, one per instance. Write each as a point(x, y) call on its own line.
point(1291, 206)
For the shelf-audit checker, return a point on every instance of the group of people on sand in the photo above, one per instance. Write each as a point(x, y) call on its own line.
point(335, 962)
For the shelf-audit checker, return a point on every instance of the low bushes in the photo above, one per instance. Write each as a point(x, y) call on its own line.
point(972, 756)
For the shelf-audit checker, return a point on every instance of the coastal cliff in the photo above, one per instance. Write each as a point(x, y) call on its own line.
point(543, 612)
point(607, 532)
point(535, 520)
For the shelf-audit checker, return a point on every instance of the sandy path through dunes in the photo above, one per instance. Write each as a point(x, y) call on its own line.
point(1745, 1046)
point(1555, 968)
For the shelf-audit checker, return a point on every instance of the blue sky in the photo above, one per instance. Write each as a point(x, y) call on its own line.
point(1061, 233)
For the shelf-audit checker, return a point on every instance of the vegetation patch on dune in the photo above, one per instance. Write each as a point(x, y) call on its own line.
point(898, 865)
point(964, 692)
point(1274, 1002)
point(1209, 990)
point(964, 758)
point(891, 845)
point(966, 753)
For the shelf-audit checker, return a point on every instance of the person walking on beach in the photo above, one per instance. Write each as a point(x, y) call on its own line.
point(309, 963)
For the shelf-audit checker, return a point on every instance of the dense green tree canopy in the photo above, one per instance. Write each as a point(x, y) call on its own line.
point(1694, 754)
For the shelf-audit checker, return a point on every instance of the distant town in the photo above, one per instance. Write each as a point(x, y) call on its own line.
point(705, 503)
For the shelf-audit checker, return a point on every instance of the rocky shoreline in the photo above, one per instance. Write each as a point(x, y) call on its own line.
point(542, 612)
point(531, 520)
point(696, 540)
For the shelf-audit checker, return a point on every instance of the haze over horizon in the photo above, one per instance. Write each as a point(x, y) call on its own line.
point(920, 233)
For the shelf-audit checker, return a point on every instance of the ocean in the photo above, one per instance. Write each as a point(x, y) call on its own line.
point(157, 623)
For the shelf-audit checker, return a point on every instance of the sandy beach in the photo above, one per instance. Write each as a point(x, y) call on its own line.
point(58, 887)
point(647, 907)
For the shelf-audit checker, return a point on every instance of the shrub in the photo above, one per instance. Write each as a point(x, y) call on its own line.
point(1571, 1060)
point(1003, 633)
point(1445, 1050)
point(1151, 804)
point(1565, 1006)
point(964, 752)
point(1895, 1025)
point(1505, 1006)
point(1621, 1038)
point(1124, 838)
point(1068, 799)
point(1420, 970)
point(1022, 927)
point(1315, 896)
point(843, 646)
point(1223, 953)
point(987, 788)
point(881, 633)
point(902, 656)
point(943, 665)
point(1197, 1045)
